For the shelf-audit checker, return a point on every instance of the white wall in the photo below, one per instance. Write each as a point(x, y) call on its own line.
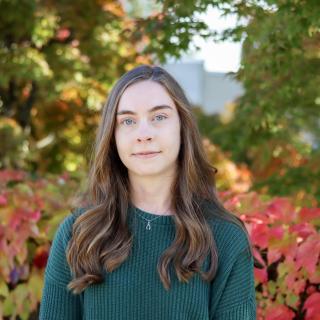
point(219, 89)
point(210, 90)
point(191, 77)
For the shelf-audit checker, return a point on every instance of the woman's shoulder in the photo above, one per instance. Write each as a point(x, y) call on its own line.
point(64, 229)
point(57, 269)
point(229, 234)
point(228, 230)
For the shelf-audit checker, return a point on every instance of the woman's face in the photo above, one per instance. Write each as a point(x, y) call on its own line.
point(147, 121)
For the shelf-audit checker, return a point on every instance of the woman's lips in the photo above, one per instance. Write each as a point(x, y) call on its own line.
point(148, 155)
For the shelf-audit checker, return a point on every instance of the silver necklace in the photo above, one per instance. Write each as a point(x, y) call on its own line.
point(148, 227)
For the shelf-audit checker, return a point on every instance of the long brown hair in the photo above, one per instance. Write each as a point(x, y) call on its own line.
point(101, 239)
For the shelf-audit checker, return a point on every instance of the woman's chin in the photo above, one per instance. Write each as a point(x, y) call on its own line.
point(146, 172)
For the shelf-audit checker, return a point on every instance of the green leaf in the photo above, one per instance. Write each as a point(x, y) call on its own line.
point(282, 269)
point(8, 306)
point(291, 300)
point(272, 288)
point(3, 289)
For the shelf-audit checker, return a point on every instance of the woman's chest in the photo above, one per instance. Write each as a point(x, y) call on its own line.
point(135, 291)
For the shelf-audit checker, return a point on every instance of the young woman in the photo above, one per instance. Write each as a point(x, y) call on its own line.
point(152, 240)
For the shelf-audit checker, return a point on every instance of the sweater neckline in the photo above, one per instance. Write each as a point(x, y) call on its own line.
point(155, 218)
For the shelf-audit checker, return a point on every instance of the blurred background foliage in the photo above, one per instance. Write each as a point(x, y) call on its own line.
point(58, 61)
point(274, 127)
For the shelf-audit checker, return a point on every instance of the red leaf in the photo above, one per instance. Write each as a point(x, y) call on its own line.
point(40, 260)
point(276, 232)
point(308, 214)
point(3, 200)
point(260, 235)
point(303, 230)
point(273, 255)
point(308, 254)
point(261, 275)
point(281, 209)
point(279, 312)
point(35, 215)
point(14, 222)
point(315, 277)
point(299, 286)
point(290, 280)
point(312, 305)
point(11, 175)
point(63, 33)
point(311, 290)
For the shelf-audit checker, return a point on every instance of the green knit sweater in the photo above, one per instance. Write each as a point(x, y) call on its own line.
point(134, 290)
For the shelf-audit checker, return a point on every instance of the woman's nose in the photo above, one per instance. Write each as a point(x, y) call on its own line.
point(145, 131)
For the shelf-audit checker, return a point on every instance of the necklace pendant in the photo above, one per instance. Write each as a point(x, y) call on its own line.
point(148, 227)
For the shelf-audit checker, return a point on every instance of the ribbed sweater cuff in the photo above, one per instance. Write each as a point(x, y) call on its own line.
point(58, 304)
point(243, 311)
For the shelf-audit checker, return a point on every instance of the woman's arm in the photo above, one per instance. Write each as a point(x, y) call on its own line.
point(58, 303)
point(238, 301)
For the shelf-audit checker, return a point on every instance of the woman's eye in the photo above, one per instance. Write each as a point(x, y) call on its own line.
point(161, 116)
point(125, 121)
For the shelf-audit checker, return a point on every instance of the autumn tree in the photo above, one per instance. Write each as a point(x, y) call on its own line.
point(58, 60)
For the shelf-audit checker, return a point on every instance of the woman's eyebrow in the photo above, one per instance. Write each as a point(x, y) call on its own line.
point(163, 106)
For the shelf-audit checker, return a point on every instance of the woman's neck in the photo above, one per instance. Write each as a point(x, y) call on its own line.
point(155, 197)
